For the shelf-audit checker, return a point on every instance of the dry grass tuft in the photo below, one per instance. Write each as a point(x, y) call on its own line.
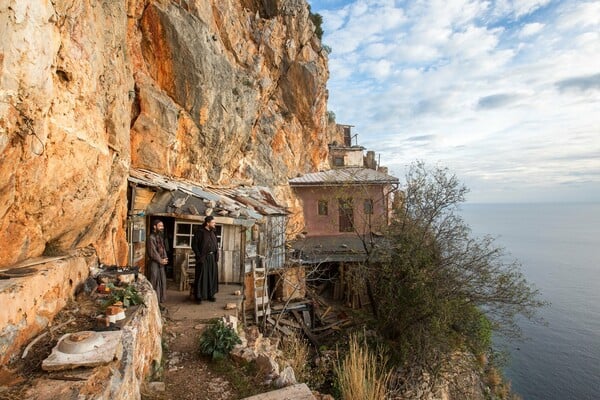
point(296, 354)
point(499, 387)
point(360, 374)
point(493, 377)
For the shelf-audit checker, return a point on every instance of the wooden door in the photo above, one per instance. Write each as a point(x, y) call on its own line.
point(346, 214)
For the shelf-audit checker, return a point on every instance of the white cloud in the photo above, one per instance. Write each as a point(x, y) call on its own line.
point(524, 7)
point(517, 8)
point(579, 15)
point(473, 42)
point(531, 29)
point(379, 69)
point(505, 93)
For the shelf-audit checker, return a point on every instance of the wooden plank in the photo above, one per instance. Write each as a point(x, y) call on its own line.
point(261, 300)
point(330, 326)
point(293, 306)
point(307, 319)
point(142, 198)
point(289, 323)
point(33, 261)
point(313, 339)
point(261, 313)
point(280, 328)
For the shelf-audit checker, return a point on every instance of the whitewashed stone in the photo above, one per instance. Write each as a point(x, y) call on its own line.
point(286, 378)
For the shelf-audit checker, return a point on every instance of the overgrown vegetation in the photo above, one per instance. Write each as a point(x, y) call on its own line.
point(330, 117)
point(440, 287)
point(296, 354)
point(241, 376)
point(436, 293)
point(316, 370)
point(218, 340)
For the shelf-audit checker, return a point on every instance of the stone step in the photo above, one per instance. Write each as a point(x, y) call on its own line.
point(295, 392)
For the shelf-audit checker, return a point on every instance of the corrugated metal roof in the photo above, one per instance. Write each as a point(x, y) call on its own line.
point(335, 248)
point(221, 205)
point(247, 202)
point(258, 197)
point(344, 176)
point(319, 249)
point(151, 179)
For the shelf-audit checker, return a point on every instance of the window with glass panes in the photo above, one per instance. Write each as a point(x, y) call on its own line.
point(368, 208)
point(322, 207)
point(184, 232)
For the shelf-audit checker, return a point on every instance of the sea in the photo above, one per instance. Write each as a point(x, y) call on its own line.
point(558, 246)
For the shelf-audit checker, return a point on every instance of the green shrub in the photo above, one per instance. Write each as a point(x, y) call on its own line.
point(317, 20)
point(330, 116)
point(218, 340)
point(129, 296)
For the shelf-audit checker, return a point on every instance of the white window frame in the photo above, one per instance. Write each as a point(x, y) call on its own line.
point(190, 235)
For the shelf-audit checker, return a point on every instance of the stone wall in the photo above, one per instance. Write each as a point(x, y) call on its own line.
point(121, 379)
point(30, 303)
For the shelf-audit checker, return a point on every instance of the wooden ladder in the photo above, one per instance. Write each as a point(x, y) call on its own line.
point(190, 273)
point(262, 307)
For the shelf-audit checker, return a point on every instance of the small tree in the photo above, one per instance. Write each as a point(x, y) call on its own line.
point(317, 21)
point(331, 117)
point(437, 284)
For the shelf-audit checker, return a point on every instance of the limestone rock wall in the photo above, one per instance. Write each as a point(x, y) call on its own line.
point(30, 303)
point(216, 91)
point(64, 127)
point(227, 92)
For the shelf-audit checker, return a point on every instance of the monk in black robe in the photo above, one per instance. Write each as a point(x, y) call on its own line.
point(157, 253)
point(206, 249)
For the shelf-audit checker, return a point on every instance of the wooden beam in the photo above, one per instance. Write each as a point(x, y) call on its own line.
point(313, 339)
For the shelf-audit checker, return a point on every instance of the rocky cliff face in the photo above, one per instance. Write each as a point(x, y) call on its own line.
point(219, 92)
point(64, 127)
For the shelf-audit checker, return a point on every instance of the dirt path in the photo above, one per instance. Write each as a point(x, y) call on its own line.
point(187, 375)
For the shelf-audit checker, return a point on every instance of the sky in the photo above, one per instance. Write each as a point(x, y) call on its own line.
point(505, 94)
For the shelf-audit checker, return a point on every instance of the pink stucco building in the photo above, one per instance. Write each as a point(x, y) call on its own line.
point(345, 201)
point(345, 206)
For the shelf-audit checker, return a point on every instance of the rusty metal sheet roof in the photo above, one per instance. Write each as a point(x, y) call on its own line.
point(344, 176)
point(258, 197)
point(151, 179)
point(184, 192)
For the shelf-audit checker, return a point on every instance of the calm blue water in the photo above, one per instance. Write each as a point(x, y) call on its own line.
point(558, 246)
